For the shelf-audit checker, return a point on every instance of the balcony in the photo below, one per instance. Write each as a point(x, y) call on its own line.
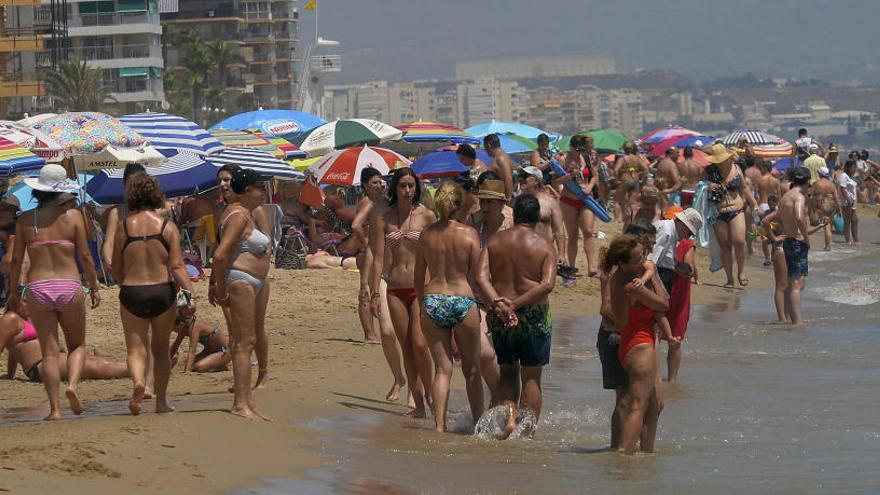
point(19, 40)
point(104, 24)
point(21, 84)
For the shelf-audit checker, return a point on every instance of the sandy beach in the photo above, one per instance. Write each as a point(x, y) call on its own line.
point(318, 368)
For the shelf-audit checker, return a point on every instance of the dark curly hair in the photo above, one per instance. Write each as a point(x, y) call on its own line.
point(395, 179)
point(143, 192)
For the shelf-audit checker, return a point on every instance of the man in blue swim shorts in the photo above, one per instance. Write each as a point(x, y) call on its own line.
point(517, 271)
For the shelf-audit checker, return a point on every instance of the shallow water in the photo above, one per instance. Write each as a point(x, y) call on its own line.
point(760, 408)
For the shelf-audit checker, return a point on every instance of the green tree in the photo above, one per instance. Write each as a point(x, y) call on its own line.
point(75, 87)
point(223, 54)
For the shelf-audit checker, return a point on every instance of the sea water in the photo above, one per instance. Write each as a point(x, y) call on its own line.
point(760, 408)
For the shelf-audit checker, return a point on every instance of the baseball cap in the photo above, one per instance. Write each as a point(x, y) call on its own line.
point(243, 178)
point(533, 171)
point(823, 172)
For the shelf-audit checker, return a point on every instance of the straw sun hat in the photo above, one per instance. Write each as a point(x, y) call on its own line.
point(719, 154)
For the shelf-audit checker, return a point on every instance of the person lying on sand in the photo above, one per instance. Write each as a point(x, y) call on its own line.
point(20, 336)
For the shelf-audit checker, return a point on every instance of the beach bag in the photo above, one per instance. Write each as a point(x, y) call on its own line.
point(838, 223)
point(291, 252)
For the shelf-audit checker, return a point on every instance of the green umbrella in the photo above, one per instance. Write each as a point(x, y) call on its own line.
point(603, 140)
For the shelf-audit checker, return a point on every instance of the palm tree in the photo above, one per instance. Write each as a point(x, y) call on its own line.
point(75, 87)
point(223, 54)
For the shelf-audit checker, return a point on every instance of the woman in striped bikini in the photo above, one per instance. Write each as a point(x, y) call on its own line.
point(54, 236)
point(398, 230)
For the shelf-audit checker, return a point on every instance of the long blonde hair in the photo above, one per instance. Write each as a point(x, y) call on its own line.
point(448, 199)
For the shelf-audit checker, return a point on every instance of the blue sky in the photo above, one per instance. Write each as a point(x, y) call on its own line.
point(414, 39)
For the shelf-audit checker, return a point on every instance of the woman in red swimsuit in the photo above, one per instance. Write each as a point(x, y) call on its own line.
point(397, 231)
point(633, 307)
point(575, 213)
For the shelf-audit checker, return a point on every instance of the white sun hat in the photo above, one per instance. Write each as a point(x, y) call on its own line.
point(53, 178)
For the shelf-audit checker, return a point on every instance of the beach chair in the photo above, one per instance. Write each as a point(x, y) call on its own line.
point(292, 249)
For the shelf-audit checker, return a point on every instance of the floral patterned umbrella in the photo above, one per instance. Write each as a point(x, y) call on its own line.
point(89, 132)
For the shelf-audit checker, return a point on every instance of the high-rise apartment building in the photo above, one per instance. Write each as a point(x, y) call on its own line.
point(265, 33)
point(586, 108)
point(483, 100)
point(18, 40)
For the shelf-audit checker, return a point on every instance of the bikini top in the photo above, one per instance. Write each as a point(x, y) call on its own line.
point(736, 183)
point(46, 242)
point(395, 237)
point(256, 244)
point(144, 238)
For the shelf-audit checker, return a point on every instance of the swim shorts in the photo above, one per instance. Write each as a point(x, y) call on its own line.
point(613, 375)
point(528, 342)
point(796, 252)
point(666, 276)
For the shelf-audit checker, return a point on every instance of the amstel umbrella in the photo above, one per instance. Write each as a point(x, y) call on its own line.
point(343, 167)
point(184, 173)
point(347, 133)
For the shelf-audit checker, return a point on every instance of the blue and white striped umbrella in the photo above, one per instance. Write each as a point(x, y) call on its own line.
point(183, 174)
point(170, 132)
point(256, 160)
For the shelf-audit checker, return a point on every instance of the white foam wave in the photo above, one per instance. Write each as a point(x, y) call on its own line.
point(860, 290)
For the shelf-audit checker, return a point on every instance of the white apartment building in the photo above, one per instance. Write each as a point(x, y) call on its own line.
point(120, 37)
point(490, 99)
point(411, 102)
point(586, 108)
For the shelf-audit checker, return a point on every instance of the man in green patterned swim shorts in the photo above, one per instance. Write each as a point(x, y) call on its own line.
point(516, 274)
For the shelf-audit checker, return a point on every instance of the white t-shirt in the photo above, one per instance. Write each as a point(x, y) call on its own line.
point(849, 188)
point(663, 254)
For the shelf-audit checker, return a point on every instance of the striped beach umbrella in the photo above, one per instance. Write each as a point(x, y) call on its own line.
point(344, 167)
point(184, 173)
point(14, 159)
point(753, 137)
point(347, 133)
point(276, 146)
point(256, 160)
point(420, 132)
point(667, 132)
point(170, 132)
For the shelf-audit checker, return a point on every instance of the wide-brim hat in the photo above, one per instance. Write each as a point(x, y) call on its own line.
point(53, 178)
point(719, 154)
point(692, 219)
point(492, 189)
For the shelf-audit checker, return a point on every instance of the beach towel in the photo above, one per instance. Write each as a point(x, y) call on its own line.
point(706, 236)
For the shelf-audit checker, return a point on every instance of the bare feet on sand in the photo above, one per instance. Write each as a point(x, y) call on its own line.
point(75, 404)
point(416, 413)
point(164, 409)
point(137, 399)
point(249, 413)
point(53, 416)
point(394, 393)
point(262, 380)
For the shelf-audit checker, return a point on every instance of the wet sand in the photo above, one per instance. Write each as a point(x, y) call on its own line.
point(318, 369)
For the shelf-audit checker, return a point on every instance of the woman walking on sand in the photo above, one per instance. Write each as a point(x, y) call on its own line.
point(54, 236)
point(241, 264)
point(398, 230)
point(146, 250)
point(449, 251)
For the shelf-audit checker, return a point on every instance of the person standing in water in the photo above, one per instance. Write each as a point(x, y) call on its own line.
point(516, 275)
point(449, 251)
point(794, 223)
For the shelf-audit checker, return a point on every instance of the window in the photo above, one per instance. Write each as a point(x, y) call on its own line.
point(132, 5)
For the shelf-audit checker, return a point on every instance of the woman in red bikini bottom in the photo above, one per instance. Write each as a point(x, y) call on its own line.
point(633, 308)
point(397, 231)
point(575, 214)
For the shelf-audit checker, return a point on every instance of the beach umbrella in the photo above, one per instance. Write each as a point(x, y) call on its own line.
point(443, 164)
point(753, 137)
point(35, 119)
point(783, 164)
point(680, 142)
point(24, 192)
point(14, 159)
point(303, 164)
point(88, 132)
point(770, 150)
point(523, 130)
point(288, 124)
point(343, 167)
point(418, 132)
point(184, 173)
point(276, 146)
point(347, 133)
point(11, 131)
point(699, 157)
point(116, 157)
point(170, 132)
point(513, 144)
point(667, 132)
point(256, 160)
point(606, 140)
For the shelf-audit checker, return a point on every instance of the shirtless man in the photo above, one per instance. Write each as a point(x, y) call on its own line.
point(766, 184)
point(517, 271)
point(368, 209)
point(691, 173)
point(667, 179)
point(550, 225)
point(630, 171)
point(824, 202)
point(794, 224)
point(501, 163)
point(467, 155)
